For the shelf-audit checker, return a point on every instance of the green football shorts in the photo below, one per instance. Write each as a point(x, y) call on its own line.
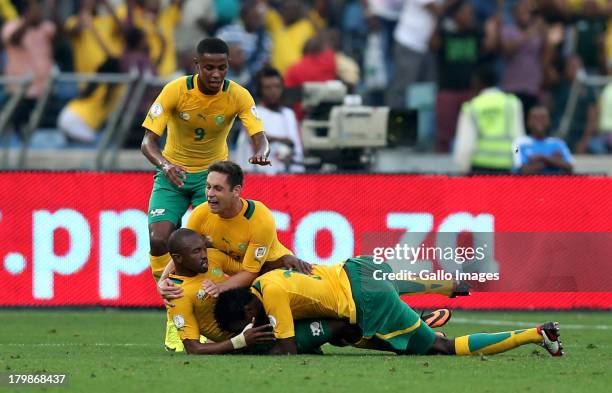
point(380, 311)
point(169, 203)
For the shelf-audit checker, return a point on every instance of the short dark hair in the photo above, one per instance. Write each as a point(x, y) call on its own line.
point(176, 241)
point(212, 45)
point(266, 72)
point(230, 306)
point(235, 176)
point(487, 75)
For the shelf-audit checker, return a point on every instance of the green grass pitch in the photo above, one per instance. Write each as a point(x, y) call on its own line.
point(121, 351)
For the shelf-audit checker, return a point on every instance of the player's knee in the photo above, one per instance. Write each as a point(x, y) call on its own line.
point(158, 241)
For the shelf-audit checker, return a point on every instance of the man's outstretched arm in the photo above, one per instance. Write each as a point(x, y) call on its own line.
point(253, 336)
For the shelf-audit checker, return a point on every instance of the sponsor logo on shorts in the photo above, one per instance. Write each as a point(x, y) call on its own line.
point(157, 212)
point(179, 321)
point(316, 328)
point(260, 252)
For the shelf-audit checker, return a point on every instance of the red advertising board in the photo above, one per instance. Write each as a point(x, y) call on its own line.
point(80, 238)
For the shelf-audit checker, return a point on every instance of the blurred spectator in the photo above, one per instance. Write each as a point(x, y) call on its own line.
point(347, 69)
point(281, 128)
point(249, 34)
point(488, 124)
point(289, 30)
point(386, 14)
point(238, 71)
point(94, 35)
point(82, 117)
point(7, 11)
point(137, 54)
point(198, 20)
point(539, 153)
point(413, 60)
point(461, 46)
point(226, 11)
point(159, 25)
point(523, 44)
point(317, 65)
point(29, 47)
point(602, 142)
point(582, 122)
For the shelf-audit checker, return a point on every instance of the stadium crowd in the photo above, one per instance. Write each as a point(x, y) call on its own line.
point(378, 48)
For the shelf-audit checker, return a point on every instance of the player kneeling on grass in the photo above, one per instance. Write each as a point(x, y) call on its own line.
point(192, 314)
point(349, 291)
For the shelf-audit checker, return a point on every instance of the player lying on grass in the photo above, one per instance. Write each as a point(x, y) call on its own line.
point(349, 291)
point(245, 231)
point(192, 313)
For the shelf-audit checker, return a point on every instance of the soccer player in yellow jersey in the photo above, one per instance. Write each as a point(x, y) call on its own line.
point(350, 291)
point(192, 314)
point(242, 229)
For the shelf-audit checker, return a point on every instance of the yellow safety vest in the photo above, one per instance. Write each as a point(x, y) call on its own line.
point(493, 114)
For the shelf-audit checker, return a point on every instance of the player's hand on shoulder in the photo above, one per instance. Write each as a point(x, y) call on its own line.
point(294, 263)
point(168, 291)
point(211, 288)
point(175, 173)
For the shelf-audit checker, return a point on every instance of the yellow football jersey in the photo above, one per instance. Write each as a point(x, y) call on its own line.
point(198, 124)
point(193, 314)
point(287, 295)
point(249, 237)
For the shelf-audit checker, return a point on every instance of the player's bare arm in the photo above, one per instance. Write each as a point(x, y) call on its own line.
point(285, 346)
point(262, 149)
point(287, 262)
point(150, 148)
point(240, 279)
point(253, 336)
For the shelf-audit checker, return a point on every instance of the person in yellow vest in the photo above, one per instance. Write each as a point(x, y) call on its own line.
point(486, 128)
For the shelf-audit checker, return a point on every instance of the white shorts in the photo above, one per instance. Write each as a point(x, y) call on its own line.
point(74, 127)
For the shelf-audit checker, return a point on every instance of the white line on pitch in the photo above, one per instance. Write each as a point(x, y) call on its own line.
point(497, 322)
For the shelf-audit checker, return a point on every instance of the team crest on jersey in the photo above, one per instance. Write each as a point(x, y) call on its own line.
point(201, 294)
point(316, 328)
point(219, 119)
point(254, 112)
point(217, 272)
point(272, 320)
point(260, 252)
point(179, 321)
point(242, 247)
point(157, 212)
point(155, 111)
point(185, 116)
